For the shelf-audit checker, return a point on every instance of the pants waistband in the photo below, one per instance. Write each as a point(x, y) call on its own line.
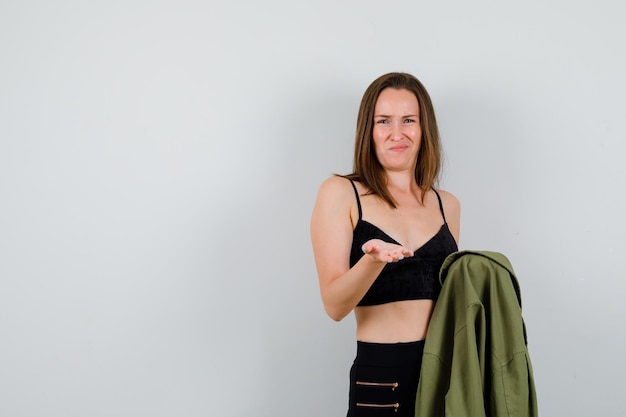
point(388, 354)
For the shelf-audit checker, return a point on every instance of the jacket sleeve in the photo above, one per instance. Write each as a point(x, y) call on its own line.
point(451, 382)
point(453, 364)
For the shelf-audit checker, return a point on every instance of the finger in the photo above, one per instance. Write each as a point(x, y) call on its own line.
point(367, 248)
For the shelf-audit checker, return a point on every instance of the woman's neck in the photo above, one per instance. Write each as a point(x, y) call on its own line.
point(401, 182)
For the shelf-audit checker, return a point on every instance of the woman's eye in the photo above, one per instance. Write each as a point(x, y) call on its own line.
point(382, 121)
point(409, 120)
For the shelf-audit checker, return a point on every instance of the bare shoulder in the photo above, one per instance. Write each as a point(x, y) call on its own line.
point(336, 190)
point(336, 182)
point(452, 210)
point(450, 202)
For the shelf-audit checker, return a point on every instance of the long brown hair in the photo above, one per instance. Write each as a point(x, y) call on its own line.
point(366, 167)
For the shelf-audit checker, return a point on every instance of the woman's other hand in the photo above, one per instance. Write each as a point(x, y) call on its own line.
point(385, 251)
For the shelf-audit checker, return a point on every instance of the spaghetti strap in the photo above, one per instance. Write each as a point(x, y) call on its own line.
point(358, 200)
point(440, 206)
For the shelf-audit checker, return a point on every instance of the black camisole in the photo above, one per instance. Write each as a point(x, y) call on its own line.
point(412, 278)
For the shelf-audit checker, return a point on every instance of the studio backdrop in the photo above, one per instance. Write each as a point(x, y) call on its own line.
point(159, 162)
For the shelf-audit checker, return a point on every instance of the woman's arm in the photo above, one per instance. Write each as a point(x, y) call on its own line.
point(342, 287)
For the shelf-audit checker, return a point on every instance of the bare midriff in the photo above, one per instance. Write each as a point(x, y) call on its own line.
point(399, 321)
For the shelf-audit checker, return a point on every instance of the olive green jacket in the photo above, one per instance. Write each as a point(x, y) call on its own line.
point(476, 360)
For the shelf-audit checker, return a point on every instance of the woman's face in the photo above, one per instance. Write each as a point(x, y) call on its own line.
point(397, 132)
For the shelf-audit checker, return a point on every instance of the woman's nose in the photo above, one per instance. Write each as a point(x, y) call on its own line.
point(396, 131)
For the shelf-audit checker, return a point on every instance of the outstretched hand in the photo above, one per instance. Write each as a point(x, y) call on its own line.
point(385, 251)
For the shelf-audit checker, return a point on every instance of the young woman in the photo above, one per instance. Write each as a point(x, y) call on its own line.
point(380, 235)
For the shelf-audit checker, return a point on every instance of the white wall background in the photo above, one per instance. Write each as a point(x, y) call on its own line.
point(159, 161)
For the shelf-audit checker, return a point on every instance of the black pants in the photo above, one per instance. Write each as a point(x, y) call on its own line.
point(383, 379)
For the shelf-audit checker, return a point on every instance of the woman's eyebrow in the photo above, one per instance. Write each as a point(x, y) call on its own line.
point(386, 115)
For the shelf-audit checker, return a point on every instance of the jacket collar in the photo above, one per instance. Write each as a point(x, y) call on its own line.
point(495, 257)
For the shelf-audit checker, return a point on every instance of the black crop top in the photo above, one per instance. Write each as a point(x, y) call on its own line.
point(412, 278)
